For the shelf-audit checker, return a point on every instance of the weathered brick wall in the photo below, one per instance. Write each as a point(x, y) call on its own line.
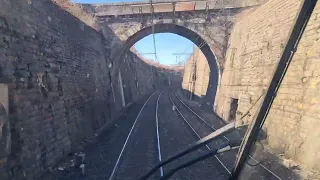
point(62, 83)
point(256, 44)
point(138, 77)
point(202, 69)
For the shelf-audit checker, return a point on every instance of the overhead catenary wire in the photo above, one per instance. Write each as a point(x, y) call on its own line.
point(153, 34)
point(189, 55)
point(154, 38)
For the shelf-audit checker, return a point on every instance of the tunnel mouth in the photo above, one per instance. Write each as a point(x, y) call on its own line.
point(194, 37)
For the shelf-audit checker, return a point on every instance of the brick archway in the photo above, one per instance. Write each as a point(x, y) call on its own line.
point(188, 34)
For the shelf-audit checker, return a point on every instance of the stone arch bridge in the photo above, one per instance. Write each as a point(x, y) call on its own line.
point(207, 24)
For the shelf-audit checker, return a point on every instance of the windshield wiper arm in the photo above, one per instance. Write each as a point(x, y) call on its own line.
point(212, 136)
point(222, 148)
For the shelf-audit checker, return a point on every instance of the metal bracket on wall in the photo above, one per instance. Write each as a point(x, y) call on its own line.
point(207, 11)
point(140, 13)
point(143, 20)
point(174, 12)
point(4, 96)
point(252, 133)
point(152, 12)
point(140, 10)
point(5, 134)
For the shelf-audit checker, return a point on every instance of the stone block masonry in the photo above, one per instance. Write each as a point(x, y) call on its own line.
point(196, 63)
point(256, 44)
point(62, 83)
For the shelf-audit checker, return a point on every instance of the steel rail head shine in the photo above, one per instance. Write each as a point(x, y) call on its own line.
point(128, 137)
point(239, 125)
point(202, 142)
point(158, 136)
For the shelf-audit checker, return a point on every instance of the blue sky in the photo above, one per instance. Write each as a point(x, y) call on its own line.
point(166, 43)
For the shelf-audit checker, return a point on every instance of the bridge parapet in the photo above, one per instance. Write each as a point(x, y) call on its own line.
point(161, 6)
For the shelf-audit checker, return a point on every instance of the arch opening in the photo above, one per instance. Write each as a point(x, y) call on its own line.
point(214, 77)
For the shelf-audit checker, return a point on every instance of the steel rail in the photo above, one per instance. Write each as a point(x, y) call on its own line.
point(202, 142)
point(213, 128)
point(229, 172)
point(128, 137)
point(158, 136)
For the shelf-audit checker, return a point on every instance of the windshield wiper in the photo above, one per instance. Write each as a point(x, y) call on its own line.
point(202, 142)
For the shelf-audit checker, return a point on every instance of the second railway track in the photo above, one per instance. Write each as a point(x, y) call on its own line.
point(176, 136)
point(226, 159)
point(201, 129)
point(158, 133)
point(151, 131)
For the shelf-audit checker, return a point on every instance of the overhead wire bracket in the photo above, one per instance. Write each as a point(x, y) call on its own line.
point(207, 12)
point(173, 12)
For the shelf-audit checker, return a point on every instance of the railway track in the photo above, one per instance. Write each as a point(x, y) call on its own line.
point(176, 136)
point(152, 131)
point(201, 129)
point(228, 158)
point(141, 149)
point(155, 134)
